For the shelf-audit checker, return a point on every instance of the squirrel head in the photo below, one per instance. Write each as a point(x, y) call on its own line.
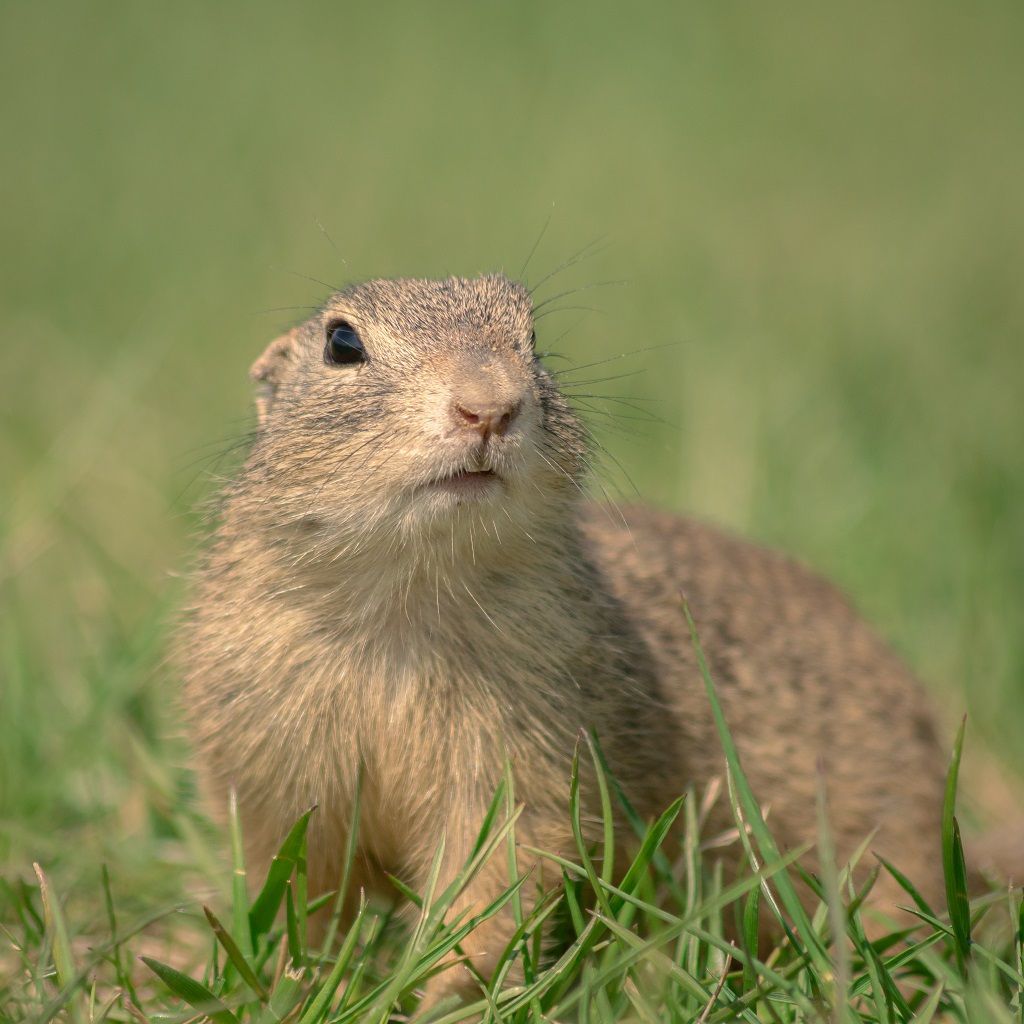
point(406, 405)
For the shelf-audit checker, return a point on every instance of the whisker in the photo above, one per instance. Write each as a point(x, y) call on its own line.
point(543, 232)
point(572, 291)
point(481, 607)
point(619, 398)
point(622, 468)
point(306, 277)
point(571, 327)
point(616, 416)
point(286, 309)
point(614, 428)
point(567, 309)
point(560, 469)
point(323, 231)
point(222, 447)
point(210, 462)
point(569, 385)
point(621, 355)
point(611, 503)
point(589, 250)
point(579, 487)
point(342, 459)
point(646, 416)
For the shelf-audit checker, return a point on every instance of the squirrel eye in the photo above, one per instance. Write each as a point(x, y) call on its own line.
point(344, 347)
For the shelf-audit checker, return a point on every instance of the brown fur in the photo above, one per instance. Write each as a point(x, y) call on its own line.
point(348, 614)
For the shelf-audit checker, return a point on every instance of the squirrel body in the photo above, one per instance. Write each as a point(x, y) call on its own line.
point(408, 582)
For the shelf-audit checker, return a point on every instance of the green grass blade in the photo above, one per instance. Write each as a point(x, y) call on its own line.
point(453, 936)
point(319, 902)
point(883, 1010)
point(239, 891)
point(651, 844)
point(489, 818)
point(833, 900)
point(57, 932)
point(750, 933)
point(298, 889)
point(660, 860)
point(193, 992)
point(607, 817)
point(295, 936)
point(234, 955)
point(582, 847)
point(530, 924)
point(266, 905)
point(484, 848)
point(351, 846)
point(407, 892)
point(286, 996)
point(103, 1012)
point(953, 866)
point(124, 979)
point(56, 928)
point(907, 886)
point(317, 1009)
point(1019, 943)
point(573, 902)
point(865, 891)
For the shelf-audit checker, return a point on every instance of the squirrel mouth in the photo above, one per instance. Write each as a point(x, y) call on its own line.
point(466, 482)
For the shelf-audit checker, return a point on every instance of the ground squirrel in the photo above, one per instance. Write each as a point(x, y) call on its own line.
point(407, 575)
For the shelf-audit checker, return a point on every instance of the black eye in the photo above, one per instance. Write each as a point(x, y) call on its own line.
point(344, 347)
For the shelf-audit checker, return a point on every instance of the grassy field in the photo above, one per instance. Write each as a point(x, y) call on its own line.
point(810, 217)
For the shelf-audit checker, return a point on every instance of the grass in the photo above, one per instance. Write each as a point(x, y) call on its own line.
point(651, 943)
point(817, 211)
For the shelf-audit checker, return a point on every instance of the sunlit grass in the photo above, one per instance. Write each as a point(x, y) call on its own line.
point(664, 938)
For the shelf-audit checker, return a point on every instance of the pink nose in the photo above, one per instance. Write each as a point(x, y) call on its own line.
point(486, 418)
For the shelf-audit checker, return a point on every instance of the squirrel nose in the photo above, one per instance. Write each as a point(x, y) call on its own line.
point(489, 417)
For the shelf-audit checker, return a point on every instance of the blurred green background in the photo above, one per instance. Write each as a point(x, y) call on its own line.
point(816, 208)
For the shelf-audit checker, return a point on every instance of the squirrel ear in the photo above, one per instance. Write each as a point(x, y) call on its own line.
point(269, 369)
